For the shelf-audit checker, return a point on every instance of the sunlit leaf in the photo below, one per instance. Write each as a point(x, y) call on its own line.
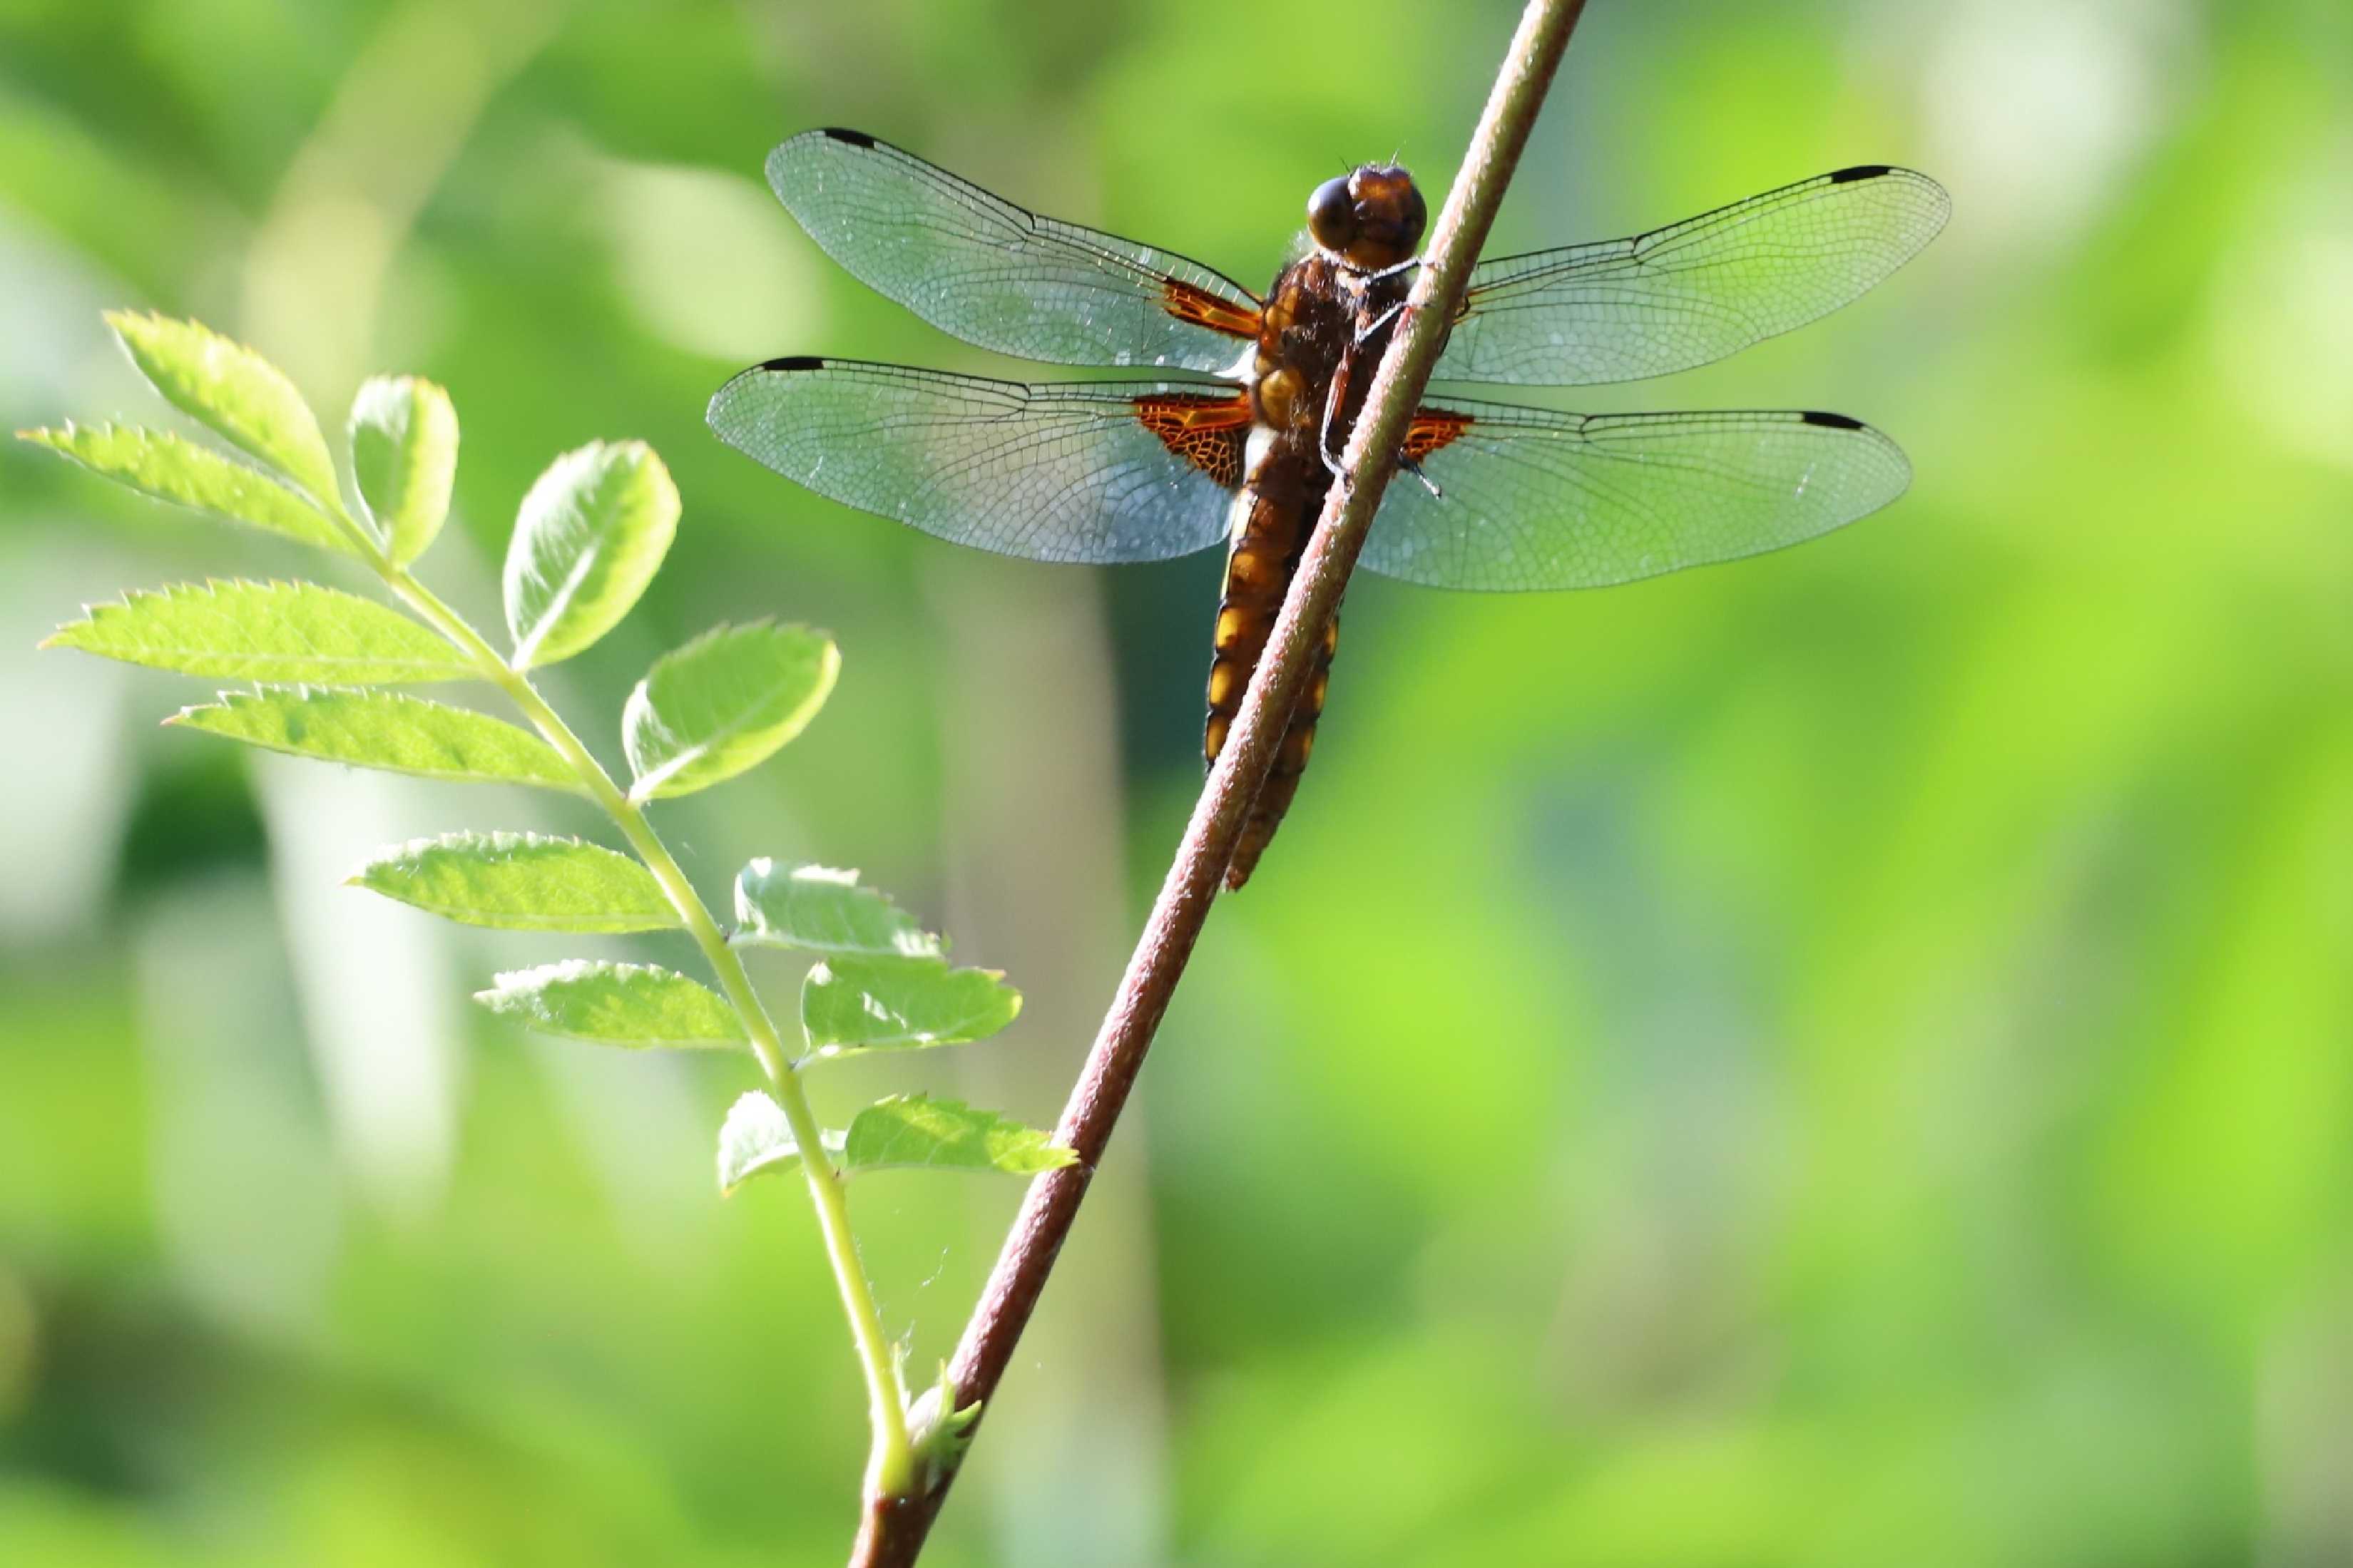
point(264, 631)
point(634, 1005)
point(913, 1130)
point(590, 537)
point(818, 909)
point(404, 436)
point(724, 703)
point(851, 1005)
point(233, 391)
point(520, 882)
point(755, 1140)
point(383, 730)
point(172, 469)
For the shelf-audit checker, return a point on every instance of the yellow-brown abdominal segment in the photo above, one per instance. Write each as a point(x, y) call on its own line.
point(1281, 398)
point(1214, 739)
point(1255, 570)
point(1225, 688)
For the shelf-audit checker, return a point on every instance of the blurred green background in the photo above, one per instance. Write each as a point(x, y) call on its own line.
point(1840, 1059)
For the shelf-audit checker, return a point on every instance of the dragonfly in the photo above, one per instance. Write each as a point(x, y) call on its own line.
point(1236, 439)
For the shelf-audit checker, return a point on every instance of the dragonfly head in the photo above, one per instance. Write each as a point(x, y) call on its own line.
point(1369, 219)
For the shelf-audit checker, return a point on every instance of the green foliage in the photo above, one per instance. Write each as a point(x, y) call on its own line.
point(634, 1005)
point(591, 535)
point(852, 1005)
point(722, 703)
point(904, 1131)
point(520, 882)
point(172, 469)
point(757, 1141)
point(916, 1130)
point(819, 910)
point(403, 437)
point(387, 730)
point(265, 631)
point(233, 391)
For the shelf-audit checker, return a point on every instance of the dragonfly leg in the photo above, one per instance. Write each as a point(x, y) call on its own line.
point(1324, 432)
point(1365, 333)
point(1410, 466)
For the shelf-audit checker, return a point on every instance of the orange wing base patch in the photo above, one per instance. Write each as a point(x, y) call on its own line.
point(1207, 430)
point(1203, 309)
point(1432, 429)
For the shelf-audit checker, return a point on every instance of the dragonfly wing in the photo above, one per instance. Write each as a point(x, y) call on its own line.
point(1533, 500)
point(1622, 310)
point(1083, 471)
point(999, 275)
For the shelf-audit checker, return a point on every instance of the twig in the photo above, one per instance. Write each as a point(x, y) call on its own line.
point(894, 1528)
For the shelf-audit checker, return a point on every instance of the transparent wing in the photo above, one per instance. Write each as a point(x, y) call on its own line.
point(1625, 309)
point(1083, 471)
point(1532, 500)
point(995, 274)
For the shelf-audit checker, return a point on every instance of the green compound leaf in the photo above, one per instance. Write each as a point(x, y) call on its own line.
point(172, 469)
point(383, 730)
point(818, 909)
point(633, 1004)
point(233, 391)
point(913, 1130)
point(520, 882)
point(590, 536)
point(404, 436)
point(722, 703)
point(757, 1141)
point(852, 1005)
point(264, 631)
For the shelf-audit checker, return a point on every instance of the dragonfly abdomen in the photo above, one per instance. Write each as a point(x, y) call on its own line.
point(1272, 518)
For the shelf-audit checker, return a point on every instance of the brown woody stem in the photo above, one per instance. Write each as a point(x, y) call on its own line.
point(894, 1528)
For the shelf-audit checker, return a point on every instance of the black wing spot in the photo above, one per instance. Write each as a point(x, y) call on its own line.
point(798, 361)
point(1830, 421)
point(855, 138)
point(1861, 172)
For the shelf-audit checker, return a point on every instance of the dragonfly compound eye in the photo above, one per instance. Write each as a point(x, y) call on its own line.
point(1415, 215)
point(1389, 216)
point(1332, 215)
